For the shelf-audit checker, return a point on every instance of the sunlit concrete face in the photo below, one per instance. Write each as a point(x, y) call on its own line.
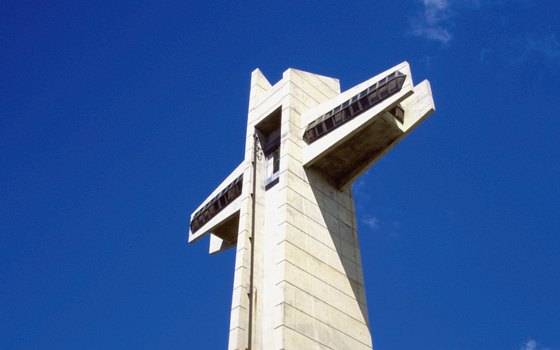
point(306, 276)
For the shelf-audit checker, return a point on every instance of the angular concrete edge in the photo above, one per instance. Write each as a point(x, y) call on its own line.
point(224, 214)
point(418, 108)
point(320, 147)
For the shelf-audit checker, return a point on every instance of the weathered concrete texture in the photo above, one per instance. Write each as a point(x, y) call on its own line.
point(307, 279)
point(308, 283)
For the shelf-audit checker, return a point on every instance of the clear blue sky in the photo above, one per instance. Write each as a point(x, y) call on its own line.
point(117, 118)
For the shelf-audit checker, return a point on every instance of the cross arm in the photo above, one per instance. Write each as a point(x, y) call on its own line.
point(346, 135)
point(219, 213)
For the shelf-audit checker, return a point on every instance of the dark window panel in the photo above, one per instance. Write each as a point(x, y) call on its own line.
point(356, 109)
point(329, 124)
point(346, 115)
point(338, 118)
point(383, 92)
point(364, 102)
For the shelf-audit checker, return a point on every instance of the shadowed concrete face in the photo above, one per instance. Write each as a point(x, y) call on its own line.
point(288, 208)
point(344, 235)
point(341, 163)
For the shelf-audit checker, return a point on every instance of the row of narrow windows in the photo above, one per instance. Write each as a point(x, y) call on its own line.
point(271, 150)
point(219, 202)
point(358, 104)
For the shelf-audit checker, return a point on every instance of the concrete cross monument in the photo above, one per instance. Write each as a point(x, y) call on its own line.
point(288, 208)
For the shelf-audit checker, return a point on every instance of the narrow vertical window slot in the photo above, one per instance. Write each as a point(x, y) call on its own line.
point(269, 135)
